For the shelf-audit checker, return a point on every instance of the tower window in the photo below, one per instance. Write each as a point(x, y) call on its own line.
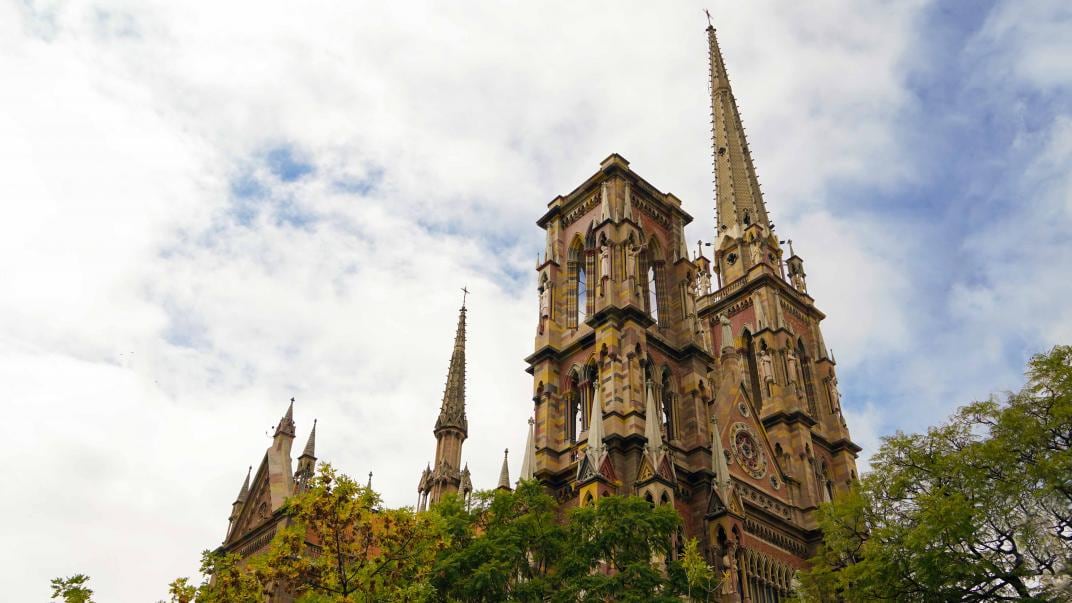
point(653, 297)
point(668, 406)
point(582, 294)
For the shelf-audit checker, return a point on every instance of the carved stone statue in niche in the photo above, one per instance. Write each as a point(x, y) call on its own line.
point(632, 259)
point(756, 253)
point(705, 335)
point(792, 365)
point(545, 304)
point(798, 282)
point(766, 367)
point(727, 331)
point(729, 569)
point(704, 283)
point(835, 395)
point(604, 261)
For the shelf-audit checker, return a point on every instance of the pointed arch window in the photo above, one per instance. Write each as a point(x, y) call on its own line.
point(574, 407)
point(577, 293)
point(667, 394)
point(753, 370)
point(809, 386)
point(653, 280)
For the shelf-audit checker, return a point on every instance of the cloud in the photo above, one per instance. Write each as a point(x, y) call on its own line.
point(210, 208)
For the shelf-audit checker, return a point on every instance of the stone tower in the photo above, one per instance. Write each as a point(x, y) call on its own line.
point(451, 430)
point(721, 403)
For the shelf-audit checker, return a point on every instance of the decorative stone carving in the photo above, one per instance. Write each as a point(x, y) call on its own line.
point(835, 395)
point(756, 253)
point(793, 366)
point(727, 331)
point(798, 282)
point(747, 451)
point(704, 283)
point(766, 367)
point(604, 261)
point(632, 262)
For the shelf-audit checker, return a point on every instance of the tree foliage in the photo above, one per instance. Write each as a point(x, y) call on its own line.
point(341, 545)
point(72, 590)
point(979, 508)
point(518, 546)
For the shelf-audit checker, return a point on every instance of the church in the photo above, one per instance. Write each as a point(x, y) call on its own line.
point(692, 378)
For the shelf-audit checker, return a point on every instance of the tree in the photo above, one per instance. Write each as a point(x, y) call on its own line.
point(616, 551)
point(228, 580)
point(342, 546)
point(700, 578)
point(503, 549)
point(979, 508)
point(73, 589)
point(182, 591)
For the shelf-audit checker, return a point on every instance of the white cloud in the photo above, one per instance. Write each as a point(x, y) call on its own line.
point(149, 337)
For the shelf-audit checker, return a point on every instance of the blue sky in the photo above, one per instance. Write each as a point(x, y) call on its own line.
point(210, 208)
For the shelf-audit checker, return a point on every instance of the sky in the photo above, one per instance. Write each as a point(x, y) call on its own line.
point(211, 207)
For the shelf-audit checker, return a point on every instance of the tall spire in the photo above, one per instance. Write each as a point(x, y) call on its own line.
point(738, 200)
point(504, 473)
point(310, 444)
point(244, 492)
point(528, 462)
point(286, 424)
point(595, 430)
point(452, 412)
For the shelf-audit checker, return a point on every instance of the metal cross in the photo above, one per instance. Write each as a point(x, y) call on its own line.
point(465, 292)
point(708, 13)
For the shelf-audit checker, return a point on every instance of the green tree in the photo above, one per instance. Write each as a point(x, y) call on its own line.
point(342, 546)
point(503, 549)
point(615, 552)
point(700, 579)
point(182, 591)
point(73, 589)
point(228, 580)
point(979, 508)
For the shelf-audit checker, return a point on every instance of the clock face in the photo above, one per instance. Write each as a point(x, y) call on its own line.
point(731, 258)
point(747, 450)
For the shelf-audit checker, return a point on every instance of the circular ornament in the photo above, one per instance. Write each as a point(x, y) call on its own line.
point(747, 451)
point(742, 408)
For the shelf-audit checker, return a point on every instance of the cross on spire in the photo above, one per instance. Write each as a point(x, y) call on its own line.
point(465, 293)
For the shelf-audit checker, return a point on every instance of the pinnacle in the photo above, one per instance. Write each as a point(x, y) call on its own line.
point(504, 473)
point(310, 445)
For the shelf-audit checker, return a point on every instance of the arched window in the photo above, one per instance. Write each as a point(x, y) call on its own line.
point(753, 370)
point(805, 368)
point(653, 297)
point(588, 386)
point(577, 295)
point(574, 409)
point(653, 266)
point(667, 395)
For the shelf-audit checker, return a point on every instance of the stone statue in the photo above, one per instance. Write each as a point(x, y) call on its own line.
point(704, 283)
point(604, 261)
point(633, 260)
point(727, 331)
point(793, 364)
point(705, 335)
point(729, 571)
point(760, 310)
point(798, 282)
point(835, 395)
point(766, 367)
point(756, 253)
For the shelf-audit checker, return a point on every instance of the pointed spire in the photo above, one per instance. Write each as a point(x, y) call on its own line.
point(504, 473)
point(528, 462)
point(738, 201)
point(452, 412)
point(369, 484)
point(627, 211)
point(652, 426)
point(310, 444)
point(243, 493)
point(718, 460)
point(605, 212)
point(286, 424)
point(595, 429)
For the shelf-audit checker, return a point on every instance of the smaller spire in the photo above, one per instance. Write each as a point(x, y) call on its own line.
point(528, 462)
point(369, 485)
point(595, 430)
point(718, 460)
point(243, 494)
point(605, 211)
point(310, 445)
point(286, 424)
point(652, 428)
point(504, 474)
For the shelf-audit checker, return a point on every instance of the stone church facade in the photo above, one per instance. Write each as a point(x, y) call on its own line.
point(692, 381)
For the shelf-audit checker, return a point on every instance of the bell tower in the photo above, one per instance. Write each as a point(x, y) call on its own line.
point(721, 400)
